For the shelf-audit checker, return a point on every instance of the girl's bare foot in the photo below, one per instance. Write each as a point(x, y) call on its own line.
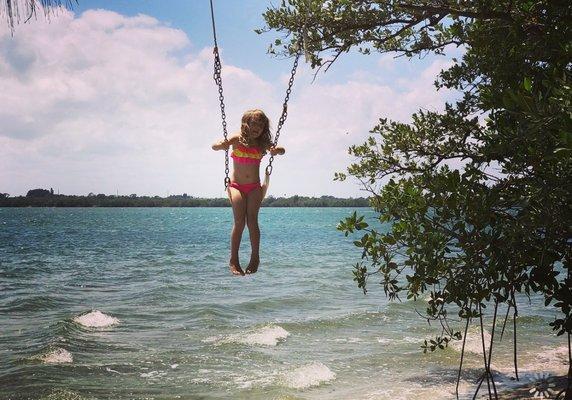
point(253, 266)
point(235, 268)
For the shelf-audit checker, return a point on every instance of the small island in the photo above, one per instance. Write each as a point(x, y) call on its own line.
point(47, 198)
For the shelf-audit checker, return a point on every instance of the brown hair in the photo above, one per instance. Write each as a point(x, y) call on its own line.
point(264, 141)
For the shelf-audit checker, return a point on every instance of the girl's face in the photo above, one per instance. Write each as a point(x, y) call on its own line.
point(256, 127)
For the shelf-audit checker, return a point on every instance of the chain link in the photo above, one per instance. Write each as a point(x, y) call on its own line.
point(282, 119)
point(217, 76)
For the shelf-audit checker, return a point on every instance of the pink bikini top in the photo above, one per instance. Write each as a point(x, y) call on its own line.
point(246, 155)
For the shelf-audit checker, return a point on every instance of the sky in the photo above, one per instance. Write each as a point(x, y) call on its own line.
point(117, 97)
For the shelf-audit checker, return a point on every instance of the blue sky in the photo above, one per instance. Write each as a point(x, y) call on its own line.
point(123, 100)
point(235, 24)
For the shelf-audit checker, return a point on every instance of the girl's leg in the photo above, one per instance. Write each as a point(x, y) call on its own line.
point(238, 201)
point(253, 201)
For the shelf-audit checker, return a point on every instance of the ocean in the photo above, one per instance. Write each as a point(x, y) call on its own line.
point(138, 303)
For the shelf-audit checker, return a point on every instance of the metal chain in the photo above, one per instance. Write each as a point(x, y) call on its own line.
point(284, 110)
point(217, 76)
point(218, 79)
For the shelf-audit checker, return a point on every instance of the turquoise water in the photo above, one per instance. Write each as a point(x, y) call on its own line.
point(173, 323)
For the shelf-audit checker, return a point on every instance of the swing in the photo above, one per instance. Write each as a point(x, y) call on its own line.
point(218, 80)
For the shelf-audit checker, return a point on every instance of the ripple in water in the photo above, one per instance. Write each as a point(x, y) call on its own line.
point(62, 394)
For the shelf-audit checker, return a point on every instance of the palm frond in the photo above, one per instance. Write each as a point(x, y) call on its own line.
point(17, 11)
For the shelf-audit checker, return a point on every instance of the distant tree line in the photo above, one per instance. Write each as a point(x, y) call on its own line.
point(47, 198)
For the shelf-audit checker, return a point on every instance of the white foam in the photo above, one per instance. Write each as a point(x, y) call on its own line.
point(199, 381)
point(474, 342)
point(56, 356)
point(348, 340)
point(413, 390)
point(258, 380)
point(551, 359)
point(547, 360)
point(265, 336)
point(410, 339)
point(96, 319)
point(308, 375)
point(153, 374)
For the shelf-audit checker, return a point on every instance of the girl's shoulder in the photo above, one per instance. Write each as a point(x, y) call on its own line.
point(234, 139)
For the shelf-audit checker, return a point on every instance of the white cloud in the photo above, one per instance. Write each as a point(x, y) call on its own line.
point(387, 61)
point(101, 101)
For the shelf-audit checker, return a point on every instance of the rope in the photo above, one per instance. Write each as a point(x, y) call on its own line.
point(213, 23)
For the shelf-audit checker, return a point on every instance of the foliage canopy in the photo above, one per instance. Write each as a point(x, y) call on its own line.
point(478, 195)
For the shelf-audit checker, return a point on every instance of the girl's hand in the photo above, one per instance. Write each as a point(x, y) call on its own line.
point(222, 145)
point(277, 150)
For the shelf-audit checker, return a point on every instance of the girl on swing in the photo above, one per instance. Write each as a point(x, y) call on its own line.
point(245, 191)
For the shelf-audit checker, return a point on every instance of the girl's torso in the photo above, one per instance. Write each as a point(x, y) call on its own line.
point(246, 163)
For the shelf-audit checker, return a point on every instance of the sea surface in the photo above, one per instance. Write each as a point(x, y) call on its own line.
point(138, 303)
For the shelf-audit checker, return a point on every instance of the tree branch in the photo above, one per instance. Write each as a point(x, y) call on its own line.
point(456, 12)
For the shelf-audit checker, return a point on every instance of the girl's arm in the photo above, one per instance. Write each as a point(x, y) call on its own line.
point(277, 150)
point(224, 145)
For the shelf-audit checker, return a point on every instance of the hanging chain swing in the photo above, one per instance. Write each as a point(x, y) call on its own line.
point(218, 80)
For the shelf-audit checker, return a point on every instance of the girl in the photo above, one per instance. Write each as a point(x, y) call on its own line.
point(248, 148)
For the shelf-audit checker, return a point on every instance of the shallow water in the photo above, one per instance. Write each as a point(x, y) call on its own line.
point(138, 303)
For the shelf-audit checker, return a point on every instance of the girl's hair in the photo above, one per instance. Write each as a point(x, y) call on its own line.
point(264, 141)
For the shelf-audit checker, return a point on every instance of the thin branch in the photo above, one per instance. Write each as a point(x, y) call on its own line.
point(480, 382)
point(491, 348)
point(455, 12)
point(514, 315)
point(462, 354)
point(484, 350)
point(504, 323)
point(13, 14)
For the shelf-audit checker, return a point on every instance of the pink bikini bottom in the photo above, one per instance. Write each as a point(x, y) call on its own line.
point(245, 188)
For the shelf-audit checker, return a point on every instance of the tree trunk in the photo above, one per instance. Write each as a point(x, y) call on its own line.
point(568, 395)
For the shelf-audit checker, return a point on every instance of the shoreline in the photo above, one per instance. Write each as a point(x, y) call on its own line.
point(528, 390)
point(104, 201)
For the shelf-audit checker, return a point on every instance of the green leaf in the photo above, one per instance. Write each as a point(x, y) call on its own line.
point(389, 239)
point(527, 83)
